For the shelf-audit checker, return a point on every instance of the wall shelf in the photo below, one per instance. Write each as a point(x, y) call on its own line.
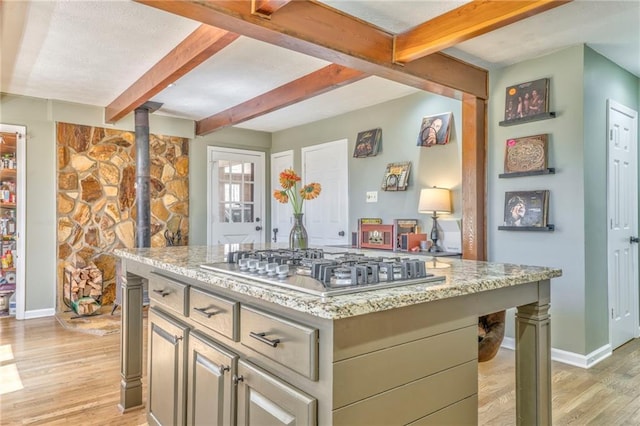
point(548, 228)
point(537, 117)
point(547, 171)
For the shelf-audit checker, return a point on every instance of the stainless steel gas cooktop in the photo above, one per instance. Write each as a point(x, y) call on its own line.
point(323, 273)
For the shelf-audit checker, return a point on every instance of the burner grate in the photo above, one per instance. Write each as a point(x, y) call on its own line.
point(323, 273)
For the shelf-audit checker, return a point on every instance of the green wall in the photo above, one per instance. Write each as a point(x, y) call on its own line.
point(400, 120)
point(602, 80)
point(39, 116)
point(229, 138)
point(580, 82)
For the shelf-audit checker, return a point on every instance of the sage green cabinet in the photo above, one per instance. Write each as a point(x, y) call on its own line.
point(167, 355)
point(211, 391)
point(265, 400)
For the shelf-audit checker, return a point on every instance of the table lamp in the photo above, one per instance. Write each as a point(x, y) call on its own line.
point(436, 200)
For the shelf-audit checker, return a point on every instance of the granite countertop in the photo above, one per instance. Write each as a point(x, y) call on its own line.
point(462, 277)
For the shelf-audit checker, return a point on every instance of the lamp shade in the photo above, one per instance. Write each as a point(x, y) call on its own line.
point(435, 200)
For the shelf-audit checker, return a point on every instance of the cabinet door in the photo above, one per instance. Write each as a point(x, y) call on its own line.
point(211, 394)
point(167, 347)
point(265, 400)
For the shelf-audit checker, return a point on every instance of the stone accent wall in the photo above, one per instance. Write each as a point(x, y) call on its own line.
point(96, 208)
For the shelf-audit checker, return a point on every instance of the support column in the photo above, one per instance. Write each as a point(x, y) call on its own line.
point(143, 197)
point(533, 361)
point(130, 341)
point(143, 178)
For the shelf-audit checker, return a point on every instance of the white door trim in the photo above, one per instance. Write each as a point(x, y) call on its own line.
point(210, 201)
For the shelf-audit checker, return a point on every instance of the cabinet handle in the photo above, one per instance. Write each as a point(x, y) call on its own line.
point(223, 369)
point(204, 312)
point(237, 379)
point(161, 293)
point(260, 337)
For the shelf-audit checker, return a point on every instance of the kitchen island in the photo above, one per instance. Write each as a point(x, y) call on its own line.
point(243, 352)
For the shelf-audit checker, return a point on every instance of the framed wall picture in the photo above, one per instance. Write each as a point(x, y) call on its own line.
point(435, 130)
point(526, 208)
point(527, 99)
point(396, 176)
point(368, 143)
point(526, 154)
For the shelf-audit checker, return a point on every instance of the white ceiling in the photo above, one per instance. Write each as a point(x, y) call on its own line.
point(91, 51)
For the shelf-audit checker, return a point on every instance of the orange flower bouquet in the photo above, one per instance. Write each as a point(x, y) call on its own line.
point(289, 193)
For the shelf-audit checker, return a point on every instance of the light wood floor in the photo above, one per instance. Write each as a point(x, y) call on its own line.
point(71, 378)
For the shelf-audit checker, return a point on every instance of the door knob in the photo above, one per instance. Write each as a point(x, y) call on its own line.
point(634, 240)
point(258, 228)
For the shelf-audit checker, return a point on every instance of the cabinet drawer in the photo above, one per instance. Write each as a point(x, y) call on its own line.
point(293, 345)
point(214, 312)
point(168, 293)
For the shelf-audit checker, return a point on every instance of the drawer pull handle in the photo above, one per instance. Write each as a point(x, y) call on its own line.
point(260, 337)
point(161, 293)
point(237, 379)
point(204, 312)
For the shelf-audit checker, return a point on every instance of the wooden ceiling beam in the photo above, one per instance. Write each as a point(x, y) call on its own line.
point(463, 23)
point(313, 84)
point(320, 31)
point(199, 46)
point(266, 8)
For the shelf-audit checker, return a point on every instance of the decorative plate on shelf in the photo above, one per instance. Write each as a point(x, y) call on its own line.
point(526, 154)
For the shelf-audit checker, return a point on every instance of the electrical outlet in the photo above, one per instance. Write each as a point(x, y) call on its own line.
point(372, 196)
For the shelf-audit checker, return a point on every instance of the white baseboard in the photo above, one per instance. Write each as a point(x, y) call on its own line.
point(39, 313)
point(571, 358)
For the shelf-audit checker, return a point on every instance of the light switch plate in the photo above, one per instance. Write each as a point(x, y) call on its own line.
point(372, 196)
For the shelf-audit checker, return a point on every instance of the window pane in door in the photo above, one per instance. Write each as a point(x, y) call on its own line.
point(236, 174)
point(248, 192)
point(249, 171)
point(223, 171)
point(248, 213)
point(224, 212)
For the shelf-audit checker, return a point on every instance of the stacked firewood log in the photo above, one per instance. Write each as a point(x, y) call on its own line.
point(83, 288)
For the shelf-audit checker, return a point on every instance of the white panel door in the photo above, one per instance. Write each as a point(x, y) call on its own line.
point(281, 214)
point(623, 223)
point(235, 196)
point(327, 217)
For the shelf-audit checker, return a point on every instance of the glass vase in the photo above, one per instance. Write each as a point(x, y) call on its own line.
point(298, 238)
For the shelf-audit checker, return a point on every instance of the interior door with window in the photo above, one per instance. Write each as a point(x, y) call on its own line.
point(236, 191)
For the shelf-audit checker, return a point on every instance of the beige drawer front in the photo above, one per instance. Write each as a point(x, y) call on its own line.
point(401, 364)
point(168, 293)
point(413, 401)
point(214, 312)
point(293, 345)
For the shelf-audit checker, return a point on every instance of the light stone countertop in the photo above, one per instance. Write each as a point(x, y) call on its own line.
point(463, 277)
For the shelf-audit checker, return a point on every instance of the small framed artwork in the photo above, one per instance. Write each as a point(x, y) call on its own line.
point(526, 154)
point(368, 143)
point(396, 176)
point(435, 130)
point(527, 99)
point(526, 208)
